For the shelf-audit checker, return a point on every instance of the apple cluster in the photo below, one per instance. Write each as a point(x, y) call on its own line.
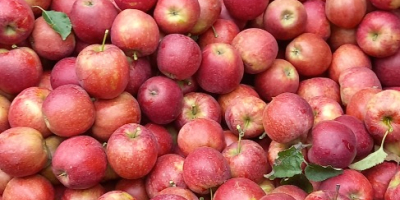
point(195, 99)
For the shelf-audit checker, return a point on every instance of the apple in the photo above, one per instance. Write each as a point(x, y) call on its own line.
point(4, 109)
point(344, 13)
point(246, 10)
point(79, 162)
point(386, 4)
point(319, 86)
point(241, 24)
point(142, 149)
point(277, 196)
point(356, 107)
point(221, 69)
point(281, 72)
point(284, 128)
point(135, 187)
point(22, 151)
point(176, 16)
point(387, 70)
point(184, 192)
point(85, 15)
point(267, 185)
point(326, 195)
point(4, 179)
point(239, 188)
point(380, 176)
point(21, 68)
point(178, 56)
point(273, 149)
point(16, 21)
point(204, 169)
point(167, 172)
point(63, 73)
point(139, 71)
point(92, 193)
point(163, 137)
point(317, 22)
point(257, 22)
point(285, 19)
point(188, 85)
point(168, 197)
point(392, 191)
point(309, 54)
point(325, 108)
point(60, 107)
point(116, 195)
point(340, 36)
point(378, 33)
point(160, 99)
point(135, 32)
point(143, 5)
point(64, 6)
point(209, 13)
point(45, 4)
point(257, 48)
point(29, 187)
point(44, 81)
point(292, 190)
point(52, 142)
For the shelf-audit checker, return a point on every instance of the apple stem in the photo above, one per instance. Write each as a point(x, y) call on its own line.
point(262, 136)
point(104, 144)
point(104, 40)
point(172, 183)
point(211, 194)
point(241, 134)
point(135, 57)
point(214, 31)
point(63, 174)
point(337, 191)
point(14, 46)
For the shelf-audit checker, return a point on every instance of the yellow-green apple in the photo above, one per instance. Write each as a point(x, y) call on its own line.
point(319, 86)
point(209, 13)
point(379, 176)
point(135, 32)
point(317, 22)
point(29, 188)
point(64, 6)
point(16, 21)
point(139, 71)
point(26, 110)
point(52, 142)
point(168, 197)
point(164, 139)
point(356, 107)
point(20, 68)
point(345, 13)
point(353, 184)
point(4, 108)
point(246, 10)
point(386, 4)
point(142, 145)
point(198, 105)
point(333, 143)
point(326, 195)
point(102, 70)
point(79, 162)
point(325, 108)
point(340, 36)
point(63, 73)
point(178, 56)
point(285, 19)
point(239, 188)
point(387, 70)
point(176, 16)
point(221, 69)
point(207, 133)
point(160, 99)
point(393, 189)
point(135, 187)
point(223, 30)
point(92, 193)
point(292, 190)
point(257, 48)
point(85, 16)
point(347, 56)
point(205, 169)
point(281, 72)
point(378, 34)
point(4, 179)
point(167, 172)
point(309, 54)
point(245, 116)
point(116, 194)
point(352, 80)
point(247, 159)
point(143, 5)
point(241, 24)
point(184, 192)
point(365, 143)
point(49, 44)
point(382, 114)
point(283, 127)
point(277, 196)
point(23, 151)
point(68, 111)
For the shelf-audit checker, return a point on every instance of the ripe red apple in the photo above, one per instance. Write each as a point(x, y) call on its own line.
point(188, 85)
point(4, 108)
point(285, 19)
point(387, 70)
point(160, 99)
point(116, 194)
point(386, 4)
point(378, 34)
point(246, 10)
point(221, 69)
point(325, 108)
point(204, 169)
point(45, 4)
point(292, 190)
point(257, 48)
point(209, 13)
point(16, 21)
point(135, 187)
point(284, 128)
point(92, 193)
point(176, 16)
point(345, 13)
point(143, 5)
point(239, 188)
point(319, 86)
point(184, 192)
point(32, 187)
point(4, 179)
point(79, 162)
point(392, 191)
point(317, 22)
point(222, 30)
point(326, 195)
point(64, 6)
point(139, 71)
point(142, 144)
point(60, 110)
point(21, 68)
point(135, 32)
point(22, 151)
point(380, 176)
point(63, 73)
point(85, 15)
point(44, 81)
point(340, 36)
point(241, 24)
point(357, 105)
point(52, 142)
point(281, 72)
point(277, 196)
point(164, 139)
point(168, 197)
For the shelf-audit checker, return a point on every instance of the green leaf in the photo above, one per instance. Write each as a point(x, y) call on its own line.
point(320, 173)
point(299, 180)
point(59, 21)
point(287, 164)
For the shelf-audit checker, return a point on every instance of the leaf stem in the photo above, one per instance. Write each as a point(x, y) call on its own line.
point(104, 40)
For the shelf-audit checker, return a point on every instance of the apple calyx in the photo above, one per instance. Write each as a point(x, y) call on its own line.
point(172, 183)
point(241, 134)
point(133, 134)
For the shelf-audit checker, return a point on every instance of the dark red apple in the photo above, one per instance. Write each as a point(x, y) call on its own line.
point(380, 176)
point(139, 71)
point(239, 189)
point(387, 69)
point(164, 138)
point(246, 10)
point(63, 73)
point(222, 30)
point(143, 5)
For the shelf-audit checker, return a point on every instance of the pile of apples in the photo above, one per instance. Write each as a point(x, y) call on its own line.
point(195, 99)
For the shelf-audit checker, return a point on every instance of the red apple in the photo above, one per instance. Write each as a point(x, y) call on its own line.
point(32, 187)
point(246, 10)
point(319, 86)
point(356, 107)
point(168, 197)
point(345, 13)
point(92, 193)
point(139, 71)
point(64, 6)
point(386, 4)
point(222, 30)
point(164, 138)
point(63, 73)
point(392, 191)
point(135, 187)
point(325, 108)
point(45, 4)
point(188, 85)
point(277, 196)
point(380, 176)
point(4, 108)
point(116, 195)
point(387, 69)
point(44, 81)
point(340, 36)
point(326, 195)
point(184, 192)
point(209, 13)
point(143, 5)
point(239, 188)
point(4, 179)
point(317, 22)
point(241, 24)
point(292, 190)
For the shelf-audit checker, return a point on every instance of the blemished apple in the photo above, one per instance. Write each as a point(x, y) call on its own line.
point(178, 56)
point(345, 13)
point(63, 73)
point(380, 176)
point(135, 187)
point(325, 108)
point(184, 192)
point(21, 68)
point(258, 49)
point(176, 16)
point(356, 107)
point(209, 13)
point(16, 21)
point(285, 19)
point(92, 193)
point(135, 32)
point(23, 152)
point(239, 188)
point(222, 30)
point(139, 71)
point(29, 188)
point(277, 196)
point(116, 194)
point(317, 22)
point(79, 162)
point(245, 10)
point(167, 172)
point(4, 108)
point(340, 36)
point(387, 70)
point(319, 86)
point(60, 108)
point(143, 5)
point(292, 190)
point(204, 169)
